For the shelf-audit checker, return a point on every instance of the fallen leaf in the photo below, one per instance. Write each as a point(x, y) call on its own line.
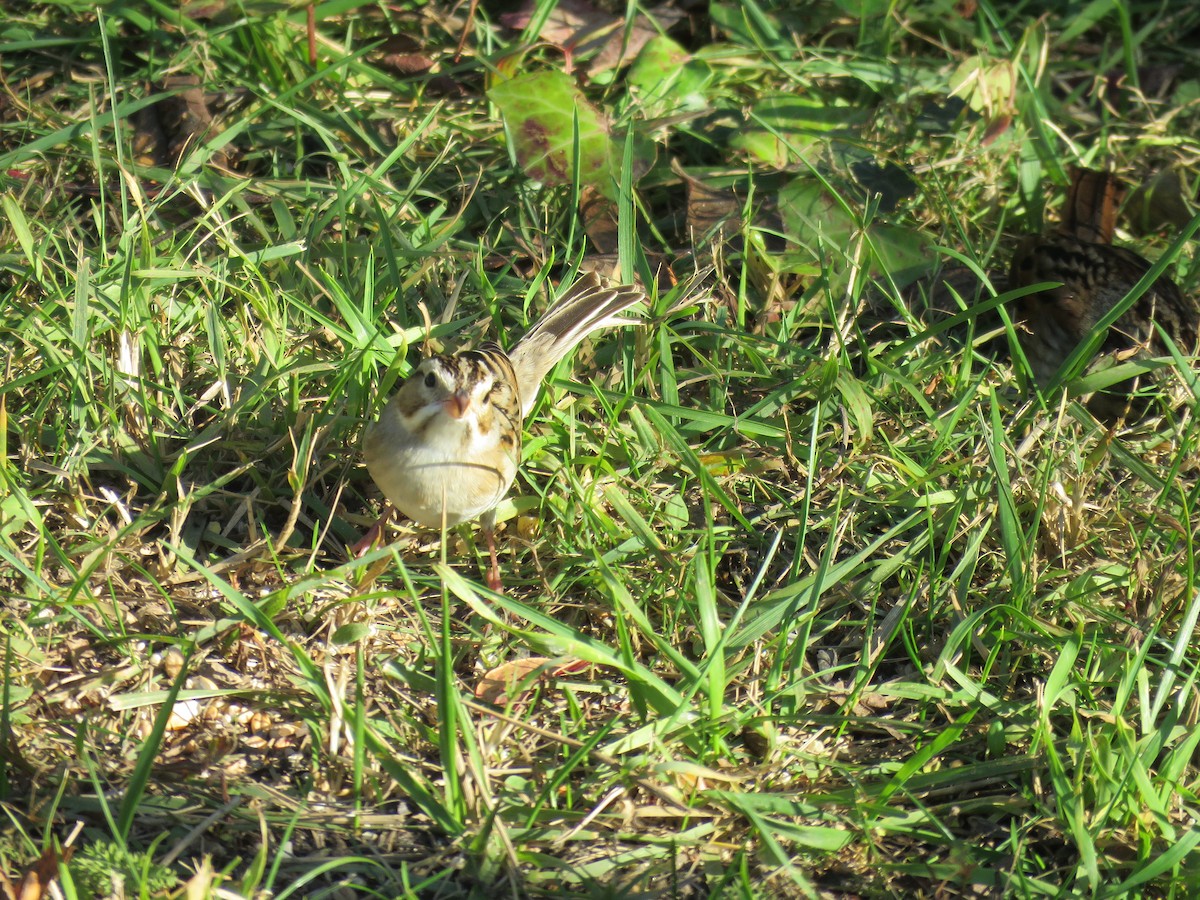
point(540, 110)
point(165, 131)
point(666, 80)
point(599, 216)
point(501, 684)
point(712, 210)
point(35, 883)
point(783, 129)
point(575, 24)
point(987, 86)
point(820, 225)
point(620, 48)
point(582, 29)
point(996, 128)
point(401, 53)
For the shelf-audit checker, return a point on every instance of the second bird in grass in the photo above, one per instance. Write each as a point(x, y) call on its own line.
point(1094, 276)
point(1093, 279)
point(446, 447)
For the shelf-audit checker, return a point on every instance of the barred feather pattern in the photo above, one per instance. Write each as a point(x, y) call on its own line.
point(1094, 278)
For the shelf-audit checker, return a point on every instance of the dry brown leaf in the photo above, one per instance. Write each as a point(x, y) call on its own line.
point(709, 209)
point(581, 29)
point(35, 883)
point(599, 215)
point(574, 24)
point(498, 685)
point(165, 130)
point(185, 117)
point(995, 128)
point(617, 51)
point(401, 53)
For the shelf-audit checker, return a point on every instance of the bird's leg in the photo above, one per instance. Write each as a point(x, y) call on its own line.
point(493, 574)
point(487, 524)
point(373, 533)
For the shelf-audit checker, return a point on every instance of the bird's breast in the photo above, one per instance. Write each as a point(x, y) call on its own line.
point(455, 471)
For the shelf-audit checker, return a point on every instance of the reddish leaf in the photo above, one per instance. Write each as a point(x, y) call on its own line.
point(500, 684)
point(401, 53)
point(35, 883)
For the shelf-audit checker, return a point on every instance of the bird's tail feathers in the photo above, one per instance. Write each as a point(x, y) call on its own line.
point(586, 307)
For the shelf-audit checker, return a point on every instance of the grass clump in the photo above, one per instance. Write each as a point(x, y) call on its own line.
point(103, 868)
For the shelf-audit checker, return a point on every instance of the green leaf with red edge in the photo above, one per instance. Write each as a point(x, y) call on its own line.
point(539, 110)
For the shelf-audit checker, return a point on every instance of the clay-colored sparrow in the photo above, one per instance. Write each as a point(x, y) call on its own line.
point(446, 446)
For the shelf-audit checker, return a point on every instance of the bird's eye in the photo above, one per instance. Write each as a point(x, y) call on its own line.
point(430, 380)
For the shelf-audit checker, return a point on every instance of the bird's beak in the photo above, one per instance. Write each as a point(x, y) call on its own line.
point(457, 404)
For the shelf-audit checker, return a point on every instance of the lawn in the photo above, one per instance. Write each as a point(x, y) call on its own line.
point(807, 589)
